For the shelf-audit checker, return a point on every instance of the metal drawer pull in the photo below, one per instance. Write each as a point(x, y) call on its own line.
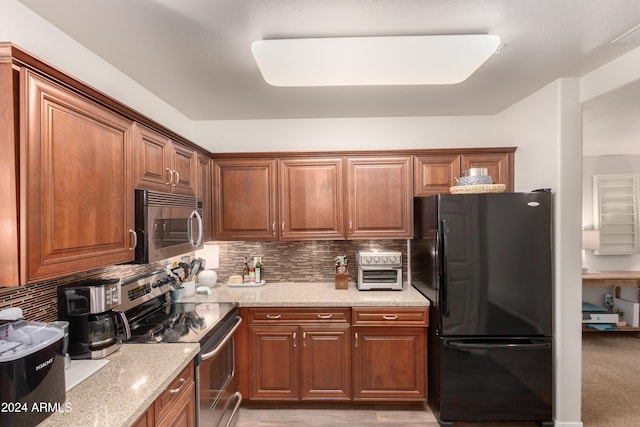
point(294, 339)
point(274, 316)
point(238, 396)
point(388, 317)
point(325, 316)
point(304, 339)
point(356, 336)
point(176, 390)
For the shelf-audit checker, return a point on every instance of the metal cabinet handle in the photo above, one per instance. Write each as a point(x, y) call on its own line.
point(274, 316)
point(294, 339)
point(177, 181)
point(273, 228)
point(282, 228)
point(176, 390)
point(389, 317)
point(350, 225)
point(304, 339)
point(170, 176)
point(135, 240)
point(325, 316)
point(356, 339)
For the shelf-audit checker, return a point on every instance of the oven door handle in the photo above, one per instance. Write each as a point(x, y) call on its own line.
point(215, 351)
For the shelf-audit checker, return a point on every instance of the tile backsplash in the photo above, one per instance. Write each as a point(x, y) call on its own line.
point(305, 261)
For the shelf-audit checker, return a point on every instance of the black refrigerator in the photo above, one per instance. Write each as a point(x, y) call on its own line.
point(485, 262)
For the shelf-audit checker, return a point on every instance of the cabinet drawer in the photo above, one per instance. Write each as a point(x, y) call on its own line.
point(300, 315)
point(384, 316)
point(174, 391)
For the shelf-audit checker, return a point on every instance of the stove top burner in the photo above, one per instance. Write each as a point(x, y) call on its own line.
point(179, 322)
point(145, 329)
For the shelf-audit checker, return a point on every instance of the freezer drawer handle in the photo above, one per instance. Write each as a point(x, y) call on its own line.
point(514, 346)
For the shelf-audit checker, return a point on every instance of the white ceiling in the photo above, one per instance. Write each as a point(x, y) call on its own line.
point(195, 54)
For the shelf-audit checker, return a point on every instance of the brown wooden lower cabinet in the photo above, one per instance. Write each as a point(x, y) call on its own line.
point(318, 354)
point(176, 405)
point(389, 363)
point(301, 353)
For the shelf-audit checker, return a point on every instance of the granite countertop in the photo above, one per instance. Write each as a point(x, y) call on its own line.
point(122, 390)
point(310, 295)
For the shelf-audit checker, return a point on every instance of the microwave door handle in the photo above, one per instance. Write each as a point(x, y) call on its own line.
point(200, 230)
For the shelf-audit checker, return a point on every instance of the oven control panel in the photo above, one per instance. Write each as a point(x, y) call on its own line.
point(145, 287)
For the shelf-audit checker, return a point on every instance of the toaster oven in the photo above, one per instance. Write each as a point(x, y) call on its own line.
point(378, 270)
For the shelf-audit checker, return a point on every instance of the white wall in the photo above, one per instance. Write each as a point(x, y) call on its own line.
point(375, 133)
point(22, 27)
point(546, 127)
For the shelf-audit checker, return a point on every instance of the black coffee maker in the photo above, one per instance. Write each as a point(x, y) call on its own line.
point(90, 307)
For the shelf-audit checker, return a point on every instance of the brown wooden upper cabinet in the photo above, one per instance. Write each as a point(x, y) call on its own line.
point(78, 182)
point(244, 196)
point(310, 193)
point(379, 197)
point(163, 165)
point(436, 173)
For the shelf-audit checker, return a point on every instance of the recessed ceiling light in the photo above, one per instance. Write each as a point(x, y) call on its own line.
point(357, 61)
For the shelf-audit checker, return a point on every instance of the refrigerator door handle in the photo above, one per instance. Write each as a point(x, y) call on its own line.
point(444, 284)
point(493, 346)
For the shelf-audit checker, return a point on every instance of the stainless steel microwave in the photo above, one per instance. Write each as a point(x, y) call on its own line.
point(167, 225)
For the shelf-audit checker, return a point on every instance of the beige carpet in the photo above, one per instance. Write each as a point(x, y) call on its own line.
point(610, 380)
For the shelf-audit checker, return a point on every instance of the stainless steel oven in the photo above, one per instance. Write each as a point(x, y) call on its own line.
point(379, 270)
point(217, 393)
point(167, 225)
point(153, 319)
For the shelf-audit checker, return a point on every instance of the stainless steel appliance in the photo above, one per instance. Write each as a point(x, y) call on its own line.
point(167, 225)
point(90, 307)
point(485, 263)
point(31, 373)
point(154, 318)
point(379, 270)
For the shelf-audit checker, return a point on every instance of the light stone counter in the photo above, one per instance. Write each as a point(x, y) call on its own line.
point(121, 391)
point(310, 294)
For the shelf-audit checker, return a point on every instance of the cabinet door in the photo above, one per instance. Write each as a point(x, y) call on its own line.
point(274, 372)
point(152, 160)
point(79, 191)
point(204, 192)
point(183, 412)
point(311, 199)
point(435, 174)
point(379, 197)
point(183, 165)
point(498, 164)
point(325, 359)
point(389, 363)
point(244, 198)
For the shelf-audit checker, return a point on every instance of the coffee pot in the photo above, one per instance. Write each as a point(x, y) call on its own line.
point(90, 307)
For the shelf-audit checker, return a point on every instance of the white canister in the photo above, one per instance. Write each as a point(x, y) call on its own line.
point(189, 288)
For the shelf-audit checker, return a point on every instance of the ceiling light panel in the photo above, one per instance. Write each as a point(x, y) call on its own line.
point(358, 61)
